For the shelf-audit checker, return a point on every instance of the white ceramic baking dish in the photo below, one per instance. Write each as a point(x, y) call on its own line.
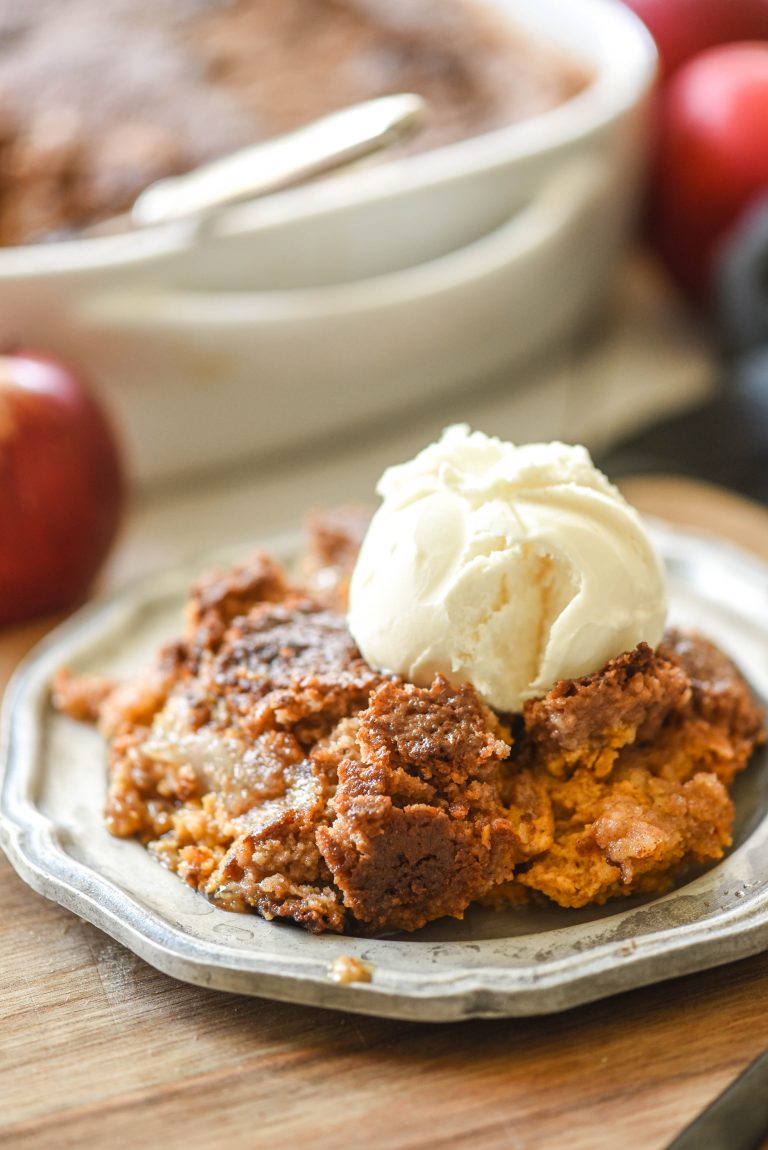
point(351, 298)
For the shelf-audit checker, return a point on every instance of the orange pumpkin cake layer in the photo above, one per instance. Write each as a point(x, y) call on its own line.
point(272, 769)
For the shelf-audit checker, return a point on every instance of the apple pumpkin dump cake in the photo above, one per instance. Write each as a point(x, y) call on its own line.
point(275, 769)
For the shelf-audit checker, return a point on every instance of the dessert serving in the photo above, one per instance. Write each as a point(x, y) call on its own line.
point(500, 717)
point(194, 81)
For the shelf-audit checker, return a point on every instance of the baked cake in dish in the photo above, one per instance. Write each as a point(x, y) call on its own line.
point(100, 99)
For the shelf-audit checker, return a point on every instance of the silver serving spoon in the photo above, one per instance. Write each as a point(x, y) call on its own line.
point(319, 147)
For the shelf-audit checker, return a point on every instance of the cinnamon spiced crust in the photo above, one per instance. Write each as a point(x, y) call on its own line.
point(269, 766)
point(418, 829)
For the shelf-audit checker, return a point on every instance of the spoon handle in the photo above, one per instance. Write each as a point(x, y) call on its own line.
point(279, 163)
point(737, 1119)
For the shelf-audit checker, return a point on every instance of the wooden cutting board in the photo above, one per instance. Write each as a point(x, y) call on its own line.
point(98, 1049)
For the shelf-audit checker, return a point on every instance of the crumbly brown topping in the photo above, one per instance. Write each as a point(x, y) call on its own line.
point(267, 764)
point(594, 716)
point(293, 667)
point(635, 761)
point(81, 696)
point(334, 539)
point(418, 829)
point(221, 596)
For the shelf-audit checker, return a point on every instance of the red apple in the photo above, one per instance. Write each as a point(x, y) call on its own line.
point(683, 28)
point(61, 487)
point(712, 158)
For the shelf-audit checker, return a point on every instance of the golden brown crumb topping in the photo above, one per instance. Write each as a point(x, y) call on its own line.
point(267, 764)
point(418, 829)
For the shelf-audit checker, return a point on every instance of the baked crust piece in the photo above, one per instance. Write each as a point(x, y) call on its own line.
point(419, 830)
point(250, 761)
point(271, 768)
point(334, 539)
point(636, 760)
point(223, 595)
point(588, 720)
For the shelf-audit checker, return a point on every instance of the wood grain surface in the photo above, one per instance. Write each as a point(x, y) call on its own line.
point(98, 1049)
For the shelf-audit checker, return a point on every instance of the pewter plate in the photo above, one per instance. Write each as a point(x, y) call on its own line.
point(492, 964)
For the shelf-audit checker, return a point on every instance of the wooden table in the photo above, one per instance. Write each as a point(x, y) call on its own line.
point(98, 1049)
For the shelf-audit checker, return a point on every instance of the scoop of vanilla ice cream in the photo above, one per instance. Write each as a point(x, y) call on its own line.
point(510, 567)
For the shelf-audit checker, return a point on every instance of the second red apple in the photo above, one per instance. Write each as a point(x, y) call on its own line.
point(712, 158)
